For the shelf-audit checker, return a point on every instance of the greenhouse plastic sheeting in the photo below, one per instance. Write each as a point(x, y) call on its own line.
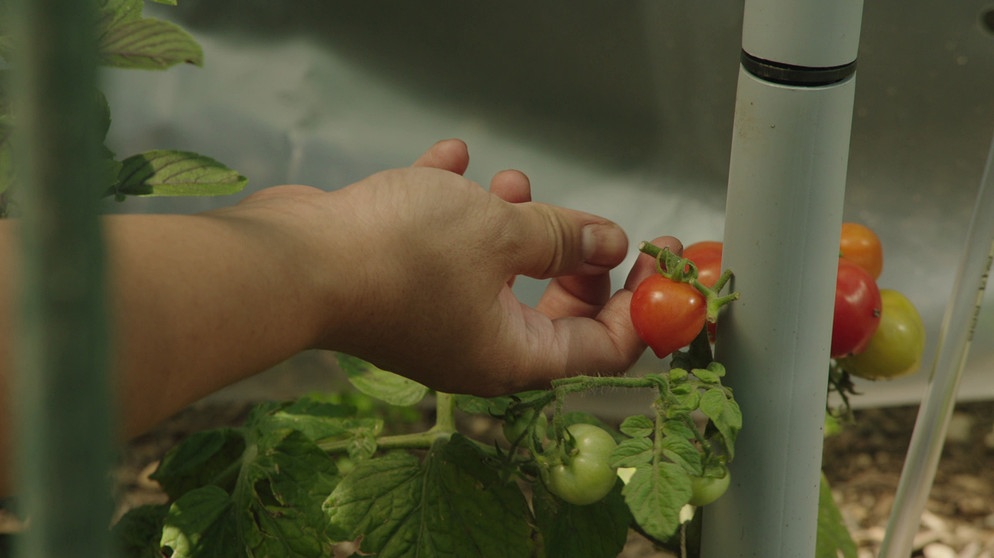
point(621, 109)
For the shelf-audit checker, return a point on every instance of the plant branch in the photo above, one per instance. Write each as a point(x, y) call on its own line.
point(445, 413)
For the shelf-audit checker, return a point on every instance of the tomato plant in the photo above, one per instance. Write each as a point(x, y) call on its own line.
point(896, 347)
point(585, 475)
point(857, 309)
point(667, 314)
point(860, 245)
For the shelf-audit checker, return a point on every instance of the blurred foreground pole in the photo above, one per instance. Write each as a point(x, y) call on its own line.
point(786, 188)
point(62, 389)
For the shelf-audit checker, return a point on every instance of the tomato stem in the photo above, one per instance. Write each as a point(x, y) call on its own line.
point(445, 413)
point(574, 384)
point(416, 440)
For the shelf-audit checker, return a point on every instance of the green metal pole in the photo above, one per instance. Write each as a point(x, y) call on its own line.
point(62, 382)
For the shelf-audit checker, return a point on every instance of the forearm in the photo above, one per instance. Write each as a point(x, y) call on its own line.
point(198, 302)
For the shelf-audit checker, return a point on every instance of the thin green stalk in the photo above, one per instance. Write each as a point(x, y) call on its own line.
point(575, 384)
point(445, 413)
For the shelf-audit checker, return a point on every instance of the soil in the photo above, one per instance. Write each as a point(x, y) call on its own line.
point(863, 465)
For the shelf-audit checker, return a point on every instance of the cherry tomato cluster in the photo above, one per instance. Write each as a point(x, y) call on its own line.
point(671, 308)
point(877, 333)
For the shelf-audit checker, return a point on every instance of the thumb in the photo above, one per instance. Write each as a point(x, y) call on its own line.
point(552, 241)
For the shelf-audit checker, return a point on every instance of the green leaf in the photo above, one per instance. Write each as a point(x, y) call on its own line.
point(706, 376)
point(678, 428)
point(633, 452)
point(387, 386)
point(265, 482)
point(593, 531)
point(637, 426)
point(112, 13)
point(725, 414)
point(138, 532)
point(207, 457)
point(119, 10)
point(834, 539)
point(682, 452)
point(475, 405)
point(283, 482)
point(146, 43)
point(686, 400)
point(166, 2)
point(656, 495)
point(201, 524)
point(498, 406)
point(176, 173)
point(317, 420)
point(451, 504)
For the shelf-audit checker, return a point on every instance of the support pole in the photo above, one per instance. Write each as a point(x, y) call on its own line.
point(62, 375)
point(786, 190)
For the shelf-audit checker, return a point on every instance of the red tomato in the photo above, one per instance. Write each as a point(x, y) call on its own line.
point(667, 314)
point(706, 255)
point(857, 310)
point(861, 246)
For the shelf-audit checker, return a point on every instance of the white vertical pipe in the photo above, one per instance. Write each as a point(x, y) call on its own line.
point(955, 338)
point(786, 189)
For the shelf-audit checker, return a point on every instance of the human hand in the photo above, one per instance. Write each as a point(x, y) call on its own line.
point(419, 265)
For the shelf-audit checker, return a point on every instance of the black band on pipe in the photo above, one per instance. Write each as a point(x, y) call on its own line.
point(788, 74)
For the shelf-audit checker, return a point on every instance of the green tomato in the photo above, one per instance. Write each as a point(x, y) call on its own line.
point(705, 490)
point(585, 477)
point(531, 420)
point(896, 347)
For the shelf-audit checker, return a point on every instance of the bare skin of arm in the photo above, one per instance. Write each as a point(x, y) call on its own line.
point(410, 269)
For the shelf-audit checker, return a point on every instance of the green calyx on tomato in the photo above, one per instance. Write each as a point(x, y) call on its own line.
point(584, 475)
point(896, 347)
point(669, 309)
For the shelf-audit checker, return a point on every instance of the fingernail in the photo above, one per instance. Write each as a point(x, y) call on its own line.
point(604, 244)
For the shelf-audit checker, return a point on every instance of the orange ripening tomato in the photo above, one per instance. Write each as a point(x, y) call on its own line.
point(860, 245)
point(706, 255)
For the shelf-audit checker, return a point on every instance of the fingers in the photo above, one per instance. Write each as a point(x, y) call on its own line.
point(511, 186)
point(569, 346)
point(605, 344)
point(586, 295)
point(451, 155)
point(548, 241)
point(575, 295)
